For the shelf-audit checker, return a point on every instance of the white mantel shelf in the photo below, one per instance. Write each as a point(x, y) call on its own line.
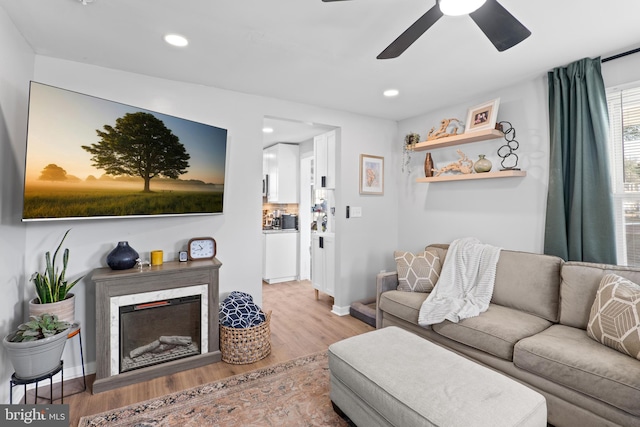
point(464, 177)
point(463, 138)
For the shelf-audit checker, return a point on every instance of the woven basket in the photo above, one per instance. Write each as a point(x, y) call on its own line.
point(246, 345)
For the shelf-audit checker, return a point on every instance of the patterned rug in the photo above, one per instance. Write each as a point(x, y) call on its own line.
point(293, 393)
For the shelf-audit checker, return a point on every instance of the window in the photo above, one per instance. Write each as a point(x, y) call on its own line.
point(624, 143)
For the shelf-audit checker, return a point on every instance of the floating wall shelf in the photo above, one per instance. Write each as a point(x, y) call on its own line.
point(464, 177)
point(464, 138)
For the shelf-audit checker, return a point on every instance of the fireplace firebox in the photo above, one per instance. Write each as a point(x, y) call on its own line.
point(159, 331)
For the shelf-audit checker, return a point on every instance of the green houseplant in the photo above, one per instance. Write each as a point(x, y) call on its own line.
point(36, 347)
point(52, 287)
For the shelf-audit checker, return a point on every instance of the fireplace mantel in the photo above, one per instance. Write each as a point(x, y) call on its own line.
point(170, 275)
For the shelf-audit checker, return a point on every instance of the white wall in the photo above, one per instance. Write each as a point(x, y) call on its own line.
point(505, 212)
point(237, 231)
point(17, 69)
point(621, 71)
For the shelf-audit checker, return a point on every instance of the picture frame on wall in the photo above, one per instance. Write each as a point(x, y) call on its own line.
point(371, 174)
point(483, 116)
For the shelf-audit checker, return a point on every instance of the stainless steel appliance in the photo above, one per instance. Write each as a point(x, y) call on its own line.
point(289, 221)
point(265, 186)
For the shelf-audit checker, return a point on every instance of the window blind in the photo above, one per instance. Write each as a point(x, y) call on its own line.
point(624, 145)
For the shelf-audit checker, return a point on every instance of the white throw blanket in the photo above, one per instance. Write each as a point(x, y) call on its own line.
point(466, 283)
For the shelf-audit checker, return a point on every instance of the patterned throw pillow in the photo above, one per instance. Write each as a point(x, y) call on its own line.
point(615, 315)
point(239, 311)
point(419, 272)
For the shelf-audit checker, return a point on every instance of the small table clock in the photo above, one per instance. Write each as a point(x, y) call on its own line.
point(201, 248)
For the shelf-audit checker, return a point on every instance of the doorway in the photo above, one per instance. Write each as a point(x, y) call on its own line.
point(303, 134)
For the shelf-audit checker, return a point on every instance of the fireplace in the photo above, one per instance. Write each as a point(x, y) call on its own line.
point(155, 321)
point(159, 331)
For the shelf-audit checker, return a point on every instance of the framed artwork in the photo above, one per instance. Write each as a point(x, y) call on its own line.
point(483, 116)
point(371, 174)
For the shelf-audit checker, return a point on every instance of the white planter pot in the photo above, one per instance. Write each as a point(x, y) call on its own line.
point(33, 359)
point(65, 310)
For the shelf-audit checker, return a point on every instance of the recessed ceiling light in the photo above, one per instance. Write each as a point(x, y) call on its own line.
point(267, 130)
point(391, 93)
point(176, 40)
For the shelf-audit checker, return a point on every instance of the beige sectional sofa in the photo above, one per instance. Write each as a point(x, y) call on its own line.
point(535, 332)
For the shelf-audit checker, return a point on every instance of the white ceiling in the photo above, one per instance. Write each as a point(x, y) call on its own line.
point(325, 53)
point(291, 131)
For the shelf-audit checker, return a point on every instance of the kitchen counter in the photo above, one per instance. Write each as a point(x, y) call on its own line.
point(278, 230)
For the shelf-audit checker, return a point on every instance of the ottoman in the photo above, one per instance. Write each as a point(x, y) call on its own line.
point(391, 377)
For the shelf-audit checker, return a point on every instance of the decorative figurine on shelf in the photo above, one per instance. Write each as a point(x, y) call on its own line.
point(446, 129)
point(410, 142)
point(464, 165)
point(506, 152)
point(141, 263)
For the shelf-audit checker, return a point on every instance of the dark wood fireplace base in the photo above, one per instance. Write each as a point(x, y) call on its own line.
point(171, 275)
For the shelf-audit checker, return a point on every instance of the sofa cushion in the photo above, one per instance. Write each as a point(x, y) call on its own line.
point(417, 272)
point(494, 331)
point(405, 305)
point(569, 357)
point(615, 315)
point(525, 281)
point(529, 282)
point(580, 282)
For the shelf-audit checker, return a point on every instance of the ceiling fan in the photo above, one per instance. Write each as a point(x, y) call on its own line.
point(500, 27)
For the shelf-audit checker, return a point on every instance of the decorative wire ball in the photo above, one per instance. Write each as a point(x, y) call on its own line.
point(506, 152)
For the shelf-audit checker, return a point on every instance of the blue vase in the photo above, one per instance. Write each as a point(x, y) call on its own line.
point(122, 257)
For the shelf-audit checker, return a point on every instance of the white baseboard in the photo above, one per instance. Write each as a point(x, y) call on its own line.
point(340, 311)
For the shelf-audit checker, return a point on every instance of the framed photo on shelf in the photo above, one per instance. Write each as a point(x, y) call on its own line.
point(371, 174)
point(483, 116)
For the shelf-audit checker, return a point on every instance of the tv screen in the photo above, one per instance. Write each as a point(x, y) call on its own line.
point(88, 157)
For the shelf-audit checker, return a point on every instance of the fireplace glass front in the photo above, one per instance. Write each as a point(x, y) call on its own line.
point(159, 331)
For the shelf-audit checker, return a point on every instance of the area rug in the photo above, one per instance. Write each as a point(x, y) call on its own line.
point(293, 393)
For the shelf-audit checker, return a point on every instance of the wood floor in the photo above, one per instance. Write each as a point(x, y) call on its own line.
point(300, 325)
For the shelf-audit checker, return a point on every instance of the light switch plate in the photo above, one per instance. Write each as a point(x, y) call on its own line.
point(356, 212)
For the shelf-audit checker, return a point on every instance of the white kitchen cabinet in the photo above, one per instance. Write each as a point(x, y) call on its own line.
point(323, 269)
point(281, 166)
point(324, 150)
point(280, 256)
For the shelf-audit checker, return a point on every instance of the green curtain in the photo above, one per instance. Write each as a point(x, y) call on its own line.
point(580, 221)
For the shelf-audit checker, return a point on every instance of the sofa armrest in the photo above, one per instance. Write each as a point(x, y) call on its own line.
point(387, 281)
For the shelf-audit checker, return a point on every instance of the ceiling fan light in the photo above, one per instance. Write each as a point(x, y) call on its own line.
point(459, 7)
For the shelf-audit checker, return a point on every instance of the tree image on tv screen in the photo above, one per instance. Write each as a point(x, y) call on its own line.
point(139, 145)
point(53, 172)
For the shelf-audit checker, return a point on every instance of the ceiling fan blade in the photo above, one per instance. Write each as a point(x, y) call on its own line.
point(500, 27)
point(412, 33)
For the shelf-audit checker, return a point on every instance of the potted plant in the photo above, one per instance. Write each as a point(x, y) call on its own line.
point(52, 288)
point(36, 347)
point(410, 141)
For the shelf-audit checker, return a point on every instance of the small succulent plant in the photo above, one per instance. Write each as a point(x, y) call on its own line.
point(39, 327)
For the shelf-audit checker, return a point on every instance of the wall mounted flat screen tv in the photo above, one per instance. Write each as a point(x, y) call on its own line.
point(89, 158)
